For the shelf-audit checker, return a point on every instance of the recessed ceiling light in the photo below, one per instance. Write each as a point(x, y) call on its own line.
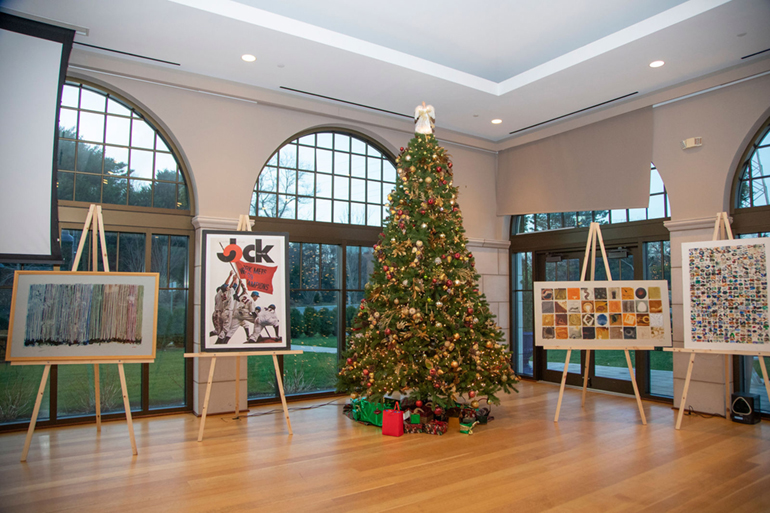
point(248, 57)
point(656, 64)
point(497, 121)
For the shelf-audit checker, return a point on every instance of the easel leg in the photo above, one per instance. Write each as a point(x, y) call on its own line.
point(127, 406)
point(35, 412)
point(237, 386)
point(206, 399)
point(636, 388)
point(279, 379)
point(563, 383)
point(585, 378)
point(97, 399)
point(764, 374)
point(728, 385)
point(684, 392)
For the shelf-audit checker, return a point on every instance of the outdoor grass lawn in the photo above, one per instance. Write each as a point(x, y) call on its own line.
point(19, 384)
point(659, 360)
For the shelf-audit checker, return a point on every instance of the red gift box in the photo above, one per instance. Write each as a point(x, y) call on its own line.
point(393, 422)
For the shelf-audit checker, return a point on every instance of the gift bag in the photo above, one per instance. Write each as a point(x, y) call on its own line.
point(393, 422)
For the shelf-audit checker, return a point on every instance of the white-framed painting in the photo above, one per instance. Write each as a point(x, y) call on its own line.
point(62, 315)
point(597, 314)
point(725, 295)
point(244, 291)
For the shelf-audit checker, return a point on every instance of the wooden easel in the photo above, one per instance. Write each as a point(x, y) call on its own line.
point(244, 225)
point(594, 235)
point(94, 222)
point(722, 231)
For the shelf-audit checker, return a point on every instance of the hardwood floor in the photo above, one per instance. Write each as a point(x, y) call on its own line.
point(595, 459)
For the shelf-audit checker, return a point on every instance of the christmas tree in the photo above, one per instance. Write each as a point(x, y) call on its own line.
point(423, 328)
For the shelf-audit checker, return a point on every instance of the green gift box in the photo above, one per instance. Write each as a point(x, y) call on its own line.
point(414, 418)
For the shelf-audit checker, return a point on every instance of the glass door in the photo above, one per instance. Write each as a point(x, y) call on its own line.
point(608, 370)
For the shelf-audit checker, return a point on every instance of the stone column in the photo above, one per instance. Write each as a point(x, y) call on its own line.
point(707, 392)
point(223, 389)
point(492, 263)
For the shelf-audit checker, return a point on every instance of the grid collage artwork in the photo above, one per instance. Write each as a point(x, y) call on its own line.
point(726, 295)
point(629, 313)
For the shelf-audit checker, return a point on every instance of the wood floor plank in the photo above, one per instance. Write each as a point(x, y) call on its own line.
point(597, 458)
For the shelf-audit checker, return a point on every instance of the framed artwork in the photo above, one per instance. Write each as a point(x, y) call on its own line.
point(72, 316)
point(612, 314)
point(244, 291)
point(725, 295)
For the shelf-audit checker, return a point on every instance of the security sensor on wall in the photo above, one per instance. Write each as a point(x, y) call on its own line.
point(692, 142)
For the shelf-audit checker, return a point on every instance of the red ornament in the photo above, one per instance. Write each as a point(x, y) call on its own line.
point(369, 384)
point(432, 372)
point(366, 372)
point(450, 165)
point(454, 209)
point(388, 332)
point(385, 268)
point(422, 212)
point(471, 394)
point(457, 255)
point(438, 410)
point(431, 201)
point(402, 149)
point(439, 169)
point(434, 281)
point(388, 276)
point(449, 283)
point(418, 404)
point(400, 212)
point(436, 384)
point(443, 182)
point(470, 310)
point(470, 255)
point(349, 361)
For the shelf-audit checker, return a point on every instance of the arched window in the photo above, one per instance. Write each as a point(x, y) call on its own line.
point(329, 176)
point(329, 190)
point(753, 187)
point(658, 208)
point(114, 154)
point(548, 247)
point(110, 153)
point(751, 218)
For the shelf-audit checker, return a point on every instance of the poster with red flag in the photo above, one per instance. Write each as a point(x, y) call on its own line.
point(244, 291)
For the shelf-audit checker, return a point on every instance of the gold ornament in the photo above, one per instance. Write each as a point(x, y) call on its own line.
point(412, 311)
point(395, 301)
point(456, 336)
point(428, 179)
point(474, 404)
point(408, 157)
point(455, 365)
point(412, 169)
point(418, 243)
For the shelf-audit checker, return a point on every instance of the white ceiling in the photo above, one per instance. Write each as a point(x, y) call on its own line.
point(524, 62)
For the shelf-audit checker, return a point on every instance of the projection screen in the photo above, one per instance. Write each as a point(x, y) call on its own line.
point(33, 64)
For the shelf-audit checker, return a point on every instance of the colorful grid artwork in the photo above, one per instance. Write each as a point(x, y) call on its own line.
point(726, 296)
point(602, 314)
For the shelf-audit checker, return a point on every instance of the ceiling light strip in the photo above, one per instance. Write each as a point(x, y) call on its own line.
point(347, 102)
point(755, 53)
point(164, 84)
point(129, 54)
point(572, 113)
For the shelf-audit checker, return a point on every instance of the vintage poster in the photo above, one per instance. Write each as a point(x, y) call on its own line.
point(74, 315)
point(245, 291)
point(611, 314)
point(725, 295)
